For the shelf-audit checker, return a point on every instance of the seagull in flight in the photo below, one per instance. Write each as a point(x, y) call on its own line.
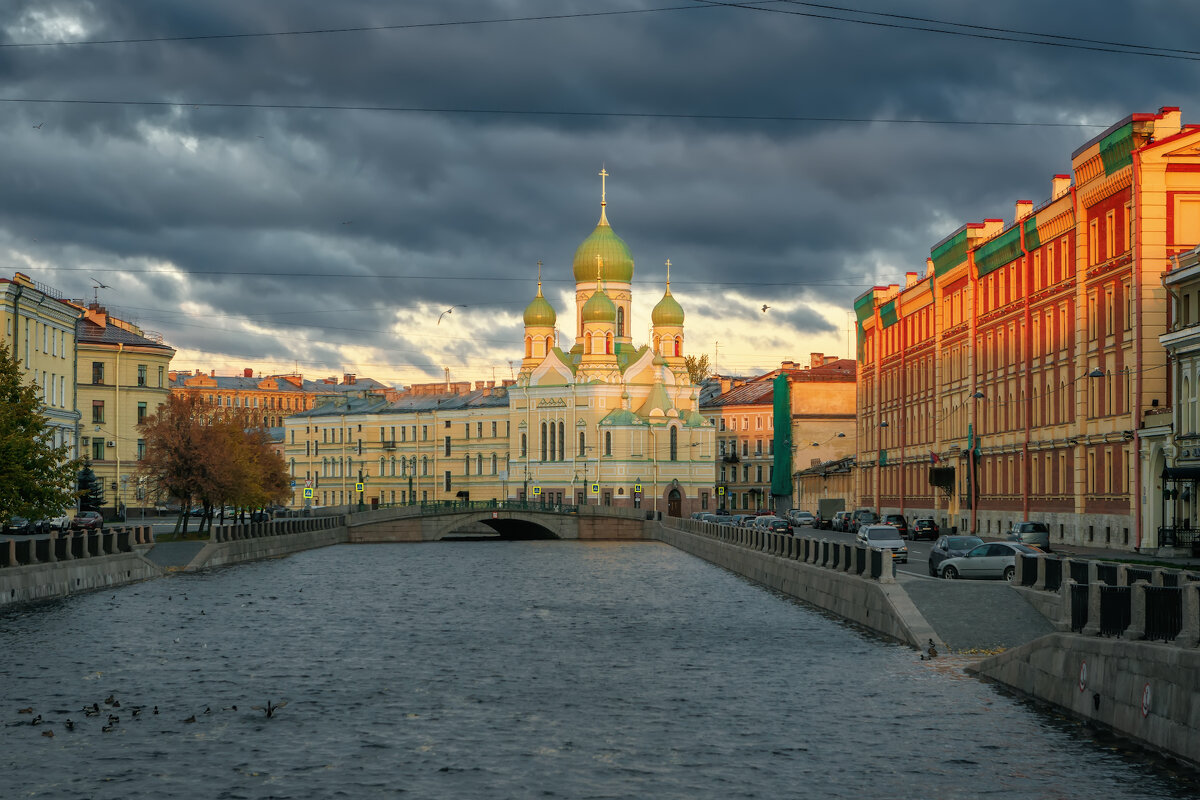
point(100, 285)
point(39, 126)
point(765, 307)
point(449, 310)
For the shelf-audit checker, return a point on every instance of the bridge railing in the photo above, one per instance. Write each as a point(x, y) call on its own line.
point(1131, 601)
point(73, 545)
point(855, 559)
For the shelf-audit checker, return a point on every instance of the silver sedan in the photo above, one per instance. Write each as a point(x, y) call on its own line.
point(991, 560)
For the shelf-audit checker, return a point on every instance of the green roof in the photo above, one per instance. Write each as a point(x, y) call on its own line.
point(599, 308)
point(539, 313)
point(1032, 240)
point(950, 253)
point(621, 416)
point(999, 251)
point(887, 314)
point(668, 311)
point(1116, 149)
point(614, 253)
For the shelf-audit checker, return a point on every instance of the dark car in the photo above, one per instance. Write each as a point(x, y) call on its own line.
point(924, 528)
point(862, 516)
point(18, 525)
point(87, 521)
point(260, 516)
point(779, 525)
point(898, 522)
point(950, 547)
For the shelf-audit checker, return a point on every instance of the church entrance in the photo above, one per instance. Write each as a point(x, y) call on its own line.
point(673, 503)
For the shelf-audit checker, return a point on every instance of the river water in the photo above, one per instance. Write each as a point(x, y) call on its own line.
point(510, 670)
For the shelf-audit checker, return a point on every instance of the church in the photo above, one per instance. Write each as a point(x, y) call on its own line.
point(602, 419)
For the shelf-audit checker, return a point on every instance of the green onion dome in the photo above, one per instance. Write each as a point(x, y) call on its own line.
point(599, 308)
point(668, 311)
point(617, 261)
point(539, 313)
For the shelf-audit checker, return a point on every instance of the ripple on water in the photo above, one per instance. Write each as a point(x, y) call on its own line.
point(489, 669)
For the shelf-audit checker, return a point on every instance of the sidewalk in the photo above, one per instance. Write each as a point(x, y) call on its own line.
point(1181, 560)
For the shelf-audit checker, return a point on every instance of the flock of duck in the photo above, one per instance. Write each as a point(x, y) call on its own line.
point(112, 720)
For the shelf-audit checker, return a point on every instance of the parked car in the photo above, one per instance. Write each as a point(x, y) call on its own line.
point(862, 516)
point(884, 537)
point(708, 516)
point(801, 518)
point(47, 524)
point(742, 520)
point(763, 520)
point(88, 521)
point(779, 525)
point(950, 547)
point(1035, 534)
point(898, 522)
point(260, 516)
point(992, 560)
point(840, 521)
point(17, 525)
point(924, 528)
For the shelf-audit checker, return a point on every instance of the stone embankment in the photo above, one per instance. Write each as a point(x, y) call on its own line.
point(234, 544)
point(44, 568)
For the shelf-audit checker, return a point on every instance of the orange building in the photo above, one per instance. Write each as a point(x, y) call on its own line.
point(270, 397)
point(1011, 381)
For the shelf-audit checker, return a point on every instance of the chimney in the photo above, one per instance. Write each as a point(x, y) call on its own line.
point(830, 359)
point(1168, 122)
point(349, 378)
point(929, 268)
point(991, 227)
point(212, 373)
point(787, 365)
point(247, 373)
point(816, 359)
point(911, 279)
point(1059, 186)
point(1024, 209)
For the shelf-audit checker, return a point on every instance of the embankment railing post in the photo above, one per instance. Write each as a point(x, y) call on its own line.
point(1137, 612)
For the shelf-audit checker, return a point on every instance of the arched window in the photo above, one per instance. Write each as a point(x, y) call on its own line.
point(678, 346)
point(582, 443)
point(393, 466)
point(479, 464)
point(528, 346)
point(587, 342)
point(549, 344)
point(608, 343)
point(493, 463)
point(424, 465)
point(553, 434)
point(657, 345)
point(562, 440)
point(544, 441)
point(524, 443)
point(382, 463)
point(608, 443)
point(674, 443)
point(620, 321)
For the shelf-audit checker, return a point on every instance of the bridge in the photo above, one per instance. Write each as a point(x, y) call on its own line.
point(501, 519)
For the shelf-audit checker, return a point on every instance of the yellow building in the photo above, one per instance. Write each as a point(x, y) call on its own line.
point(269, 398)
point(39, 329)
point(122, 378)
point(605, 421)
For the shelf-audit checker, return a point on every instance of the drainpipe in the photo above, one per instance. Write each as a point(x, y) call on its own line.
point(1135, 285)
point(903, 414)
point(1026, 467)
point(973, 495)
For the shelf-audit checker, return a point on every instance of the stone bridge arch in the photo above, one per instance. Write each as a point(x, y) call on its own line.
point(508, 524)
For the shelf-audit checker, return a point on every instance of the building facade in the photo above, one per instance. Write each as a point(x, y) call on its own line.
point(122, 380)
point(39, 329)
point(272, 397)
point(1012, 380)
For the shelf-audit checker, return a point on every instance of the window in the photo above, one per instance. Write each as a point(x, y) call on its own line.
point(608, 443)
point(524, 442)
point(466, 429)
point(493, 463)
point(97, 372)
point(141, 449)
point(141, 379)
point(98, 411)
point(722, 423)
point(447, 424)
point(582, 444)
point(544, 442)
point(447, 480)
point(479, 429)
point(447, 446)
point(493, 430)
point(620, 321)
point(141, 412)
point(97, 449)
point(674, 444)
point(479, 464)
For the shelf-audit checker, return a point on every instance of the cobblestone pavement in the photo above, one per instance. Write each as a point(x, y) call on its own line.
point(975, 615)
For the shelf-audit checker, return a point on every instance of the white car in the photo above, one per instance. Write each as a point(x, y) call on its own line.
point(802, 518)
point(988, 560)
point(886, 538)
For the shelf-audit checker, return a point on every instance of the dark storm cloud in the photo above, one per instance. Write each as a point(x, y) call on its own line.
point(329, 236)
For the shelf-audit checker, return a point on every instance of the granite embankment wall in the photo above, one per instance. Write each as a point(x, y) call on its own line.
point(1144, 690)
point(35, 582)
point(234, 544)
point(807, 570)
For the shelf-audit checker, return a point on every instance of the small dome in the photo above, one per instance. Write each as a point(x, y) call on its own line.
point(599, 308)
point(539, 313)
point(617, 261)
point(668, 311)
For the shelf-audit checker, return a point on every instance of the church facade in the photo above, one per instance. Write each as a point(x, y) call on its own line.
point(598, 419)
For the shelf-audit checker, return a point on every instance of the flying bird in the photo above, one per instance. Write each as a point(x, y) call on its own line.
point(39, 126)
point(449, 310)
point(765, 307)
point(99, 284)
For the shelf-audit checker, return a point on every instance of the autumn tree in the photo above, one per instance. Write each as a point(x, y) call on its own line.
point(37, 479)
point(697, 367)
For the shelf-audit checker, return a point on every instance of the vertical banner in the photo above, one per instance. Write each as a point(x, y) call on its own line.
point(781, 481)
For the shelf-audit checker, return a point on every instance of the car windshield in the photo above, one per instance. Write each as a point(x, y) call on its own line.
point(879, 534)
point(962, 542)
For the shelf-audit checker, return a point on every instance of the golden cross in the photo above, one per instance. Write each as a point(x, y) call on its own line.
point(603, 176)
point(599, 266)
point(539, 275)
point(668, 272)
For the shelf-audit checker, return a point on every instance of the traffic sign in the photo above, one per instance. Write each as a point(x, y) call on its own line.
point(308, 494)
point(293, 484)
point(595, 488)
point(537, 490)
point(637, 487)
point(358, 486)
point(720, 490)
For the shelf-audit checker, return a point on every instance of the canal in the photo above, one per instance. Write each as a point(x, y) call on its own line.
point(510, 670)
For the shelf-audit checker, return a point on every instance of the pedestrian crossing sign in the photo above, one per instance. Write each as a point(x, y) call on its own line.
point(595, 488)
point(308, 494)
point(637, 487)
point(537, 490)
point(720, 490)
point(358, 486)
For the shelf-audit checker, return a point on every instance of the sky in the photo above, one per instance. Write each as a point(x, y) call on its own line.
point(305, 185)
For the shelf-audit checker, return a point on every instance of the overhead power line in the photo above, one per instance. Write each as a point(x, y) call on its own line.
point(554, 113)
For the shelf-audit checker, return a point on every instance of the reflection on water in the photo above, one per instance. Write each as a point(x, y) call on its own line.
point(510, 669)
